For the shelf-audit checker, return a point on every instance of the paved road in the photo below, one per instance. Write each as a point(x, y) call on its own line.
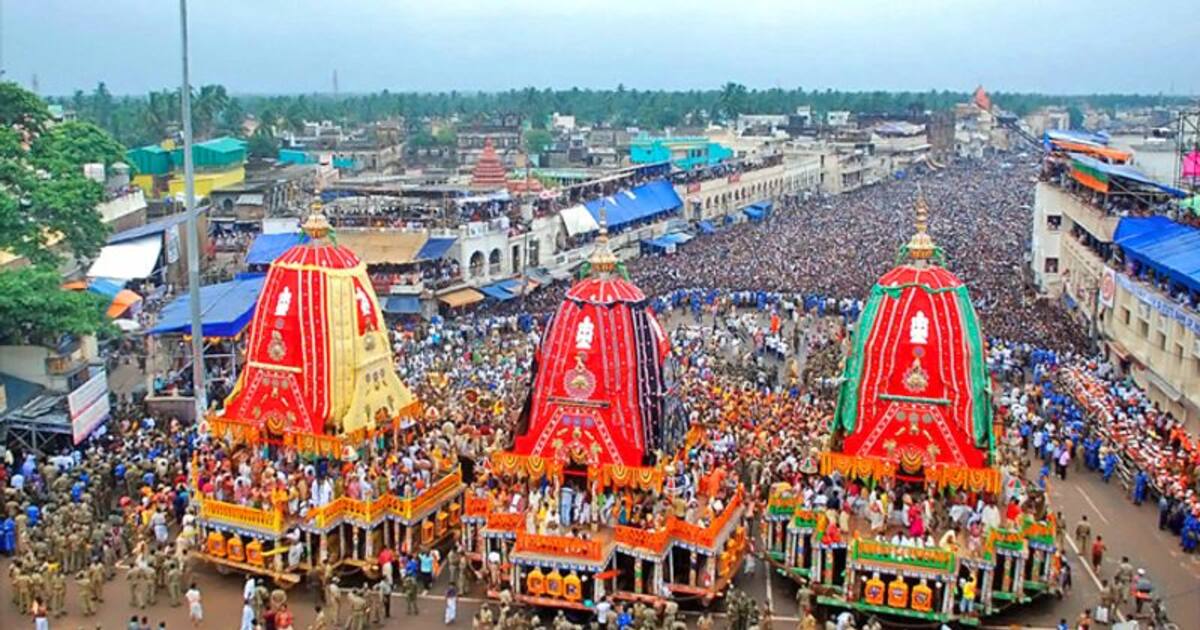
point(1130, 531)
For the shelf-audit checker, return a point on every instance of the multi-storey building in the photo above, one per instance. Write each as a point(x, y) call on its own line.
point(1100, 247)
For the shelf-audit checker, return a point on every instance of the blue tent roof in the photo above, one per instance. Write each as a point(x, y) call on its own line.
point(402, 305)
point(678, 238)
point(225, 308)
point(497, 292)
point(754, 212)
point(1126, 172)
point(267, 247)
point(1167, 247)
point(108, 287)
point(512, 285)
point(659, 243)
point(706, 227)
point(435, 248)
point(627, 206)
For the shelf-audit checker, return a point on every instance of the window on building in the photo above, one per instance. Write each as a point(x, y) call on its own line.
point(1126, 315)
point(1161, 340)
point(1054, 222)
point(1144, 328)
point(1051, 265)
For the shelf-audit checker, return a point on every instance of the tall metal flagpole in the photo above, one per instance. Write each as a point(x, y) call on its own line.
point(193, 238)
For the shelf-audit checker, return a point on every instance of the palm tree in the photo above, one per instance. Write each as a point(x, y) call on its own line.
point(158, 115)
point(733, 99)
point(209, 102)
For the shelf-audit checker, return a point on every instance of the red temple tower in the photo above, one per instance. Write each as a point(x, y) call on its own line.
point(318, 358)
point(489, 172)
point(598, 392)
point(916, 393)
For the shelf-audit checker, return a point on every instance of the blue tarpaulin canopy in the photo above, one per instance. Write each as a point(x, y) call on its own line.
point(642, 202)
point(497, 292)
point(267, 247)
point(1126, 172)
point(678, 238)
point(108, 287)
point(512, 285)
point(435, 248)
point(660, 244)
point(706, 227)
point(1169, 248)
point(754, 212)
point(225, 309)
point(402, 305)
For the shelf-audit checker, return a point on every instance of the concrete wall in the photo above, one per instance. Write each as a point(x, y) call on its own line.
point(30, 363)
point(117, 212)
point(1161, 353)
point(1046, 240)
point(1165, 352)
point(715, 198)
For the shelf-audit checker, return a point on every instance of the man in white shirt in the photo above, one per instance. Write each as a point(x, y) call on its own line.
point(603, 610)
point(195, 609)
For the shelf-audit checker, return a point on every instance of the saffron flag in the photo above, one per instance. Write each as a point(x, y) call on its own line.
point(982, 101)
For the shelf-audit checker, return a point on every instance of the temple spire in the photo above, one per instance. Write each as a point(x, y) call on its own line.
point(602, 260)
point(920, 246)
point(316, 226)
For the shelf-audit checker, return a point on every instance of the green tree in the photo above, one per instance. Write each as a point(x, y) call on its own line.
point(210, 101)
point(263, 144)
point(64, 147)
point(1075, 114)
point(44, 197)
point(35, 309)
point(232, 118)
point(733, 100)
point(538, 140)
point(446, 136)
point(22, 109)
point(102, 106)
point(160, 114)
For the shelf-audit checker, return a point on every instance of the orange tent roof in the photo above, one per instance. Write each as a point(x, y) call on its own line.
point(1113, 155)
point(121, 303)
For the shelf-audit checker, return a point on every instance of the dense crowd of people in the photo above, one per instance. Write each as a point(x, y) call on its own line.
point(835, 248)
point(1109, 424)
point(759, 316)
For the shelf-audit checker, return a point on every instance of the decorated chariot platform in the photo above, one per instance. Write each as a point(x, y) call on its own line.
point(573, 569)
point(317, 405)
point(596, 424)
point(915, 412)
point(855, 570)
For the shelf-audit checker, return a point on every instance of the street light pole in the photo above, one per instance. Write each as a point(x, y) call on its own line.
point(193, 238)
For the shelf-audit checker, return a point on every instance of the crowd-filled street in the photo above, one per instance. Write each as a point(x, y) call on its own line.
point(758, 316)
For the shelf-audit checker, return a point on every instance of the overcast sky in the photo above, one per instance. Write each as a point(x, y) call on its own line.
point(274, 46)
